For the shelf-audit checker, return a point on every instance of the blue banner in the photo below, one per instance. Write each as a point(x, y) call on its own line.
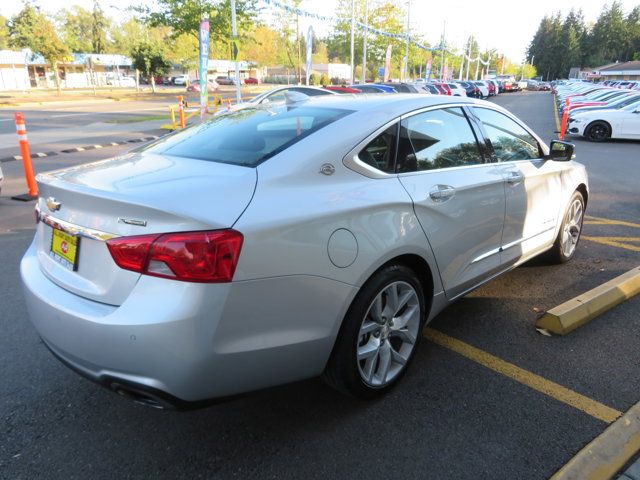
point(309, 53)
point(204, 66)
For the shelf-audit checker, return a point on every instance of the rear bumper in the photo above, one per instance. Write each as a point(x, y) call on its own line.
point(181, 342)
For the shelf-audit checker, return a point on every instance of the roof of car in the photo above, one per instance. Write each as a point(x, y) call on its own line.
point(396, 104)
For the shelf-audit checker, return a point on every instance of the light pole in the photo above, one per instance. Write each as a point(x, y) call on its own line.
point(353, 26)
point(364, 45)
point(406, 53)
point(234, 34)
point(444, 27)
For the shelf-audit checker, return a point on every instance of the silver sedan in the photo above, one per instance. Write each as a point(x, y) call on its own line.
point(283, 242)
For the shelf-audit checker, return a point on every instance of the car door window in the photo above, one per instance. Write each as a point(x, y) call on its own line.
point(380, 152)
point(436, 139)
point(510, 141)
point(275, 97)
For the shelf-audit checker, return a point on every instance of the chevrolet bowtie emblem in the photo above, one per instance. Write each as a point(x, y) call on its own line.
point(53, 205)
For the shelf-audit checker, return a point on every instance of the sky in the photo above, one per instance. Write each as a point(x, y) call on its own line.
point(494, 24)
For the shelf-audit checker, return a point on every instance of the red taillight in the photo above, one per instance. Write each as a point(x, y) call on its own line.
point(206, 257)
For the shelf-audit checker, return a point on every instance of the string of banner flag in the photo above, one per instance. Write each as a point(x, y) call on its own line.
point(359, 24)
point(478, 59)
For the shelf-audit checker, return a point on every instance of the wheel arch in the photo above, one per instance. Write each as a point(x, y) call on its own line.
point(582, 188)
point(423, 271)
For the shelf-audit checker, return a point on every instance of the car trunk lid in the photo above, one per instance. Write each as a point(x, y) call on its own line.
point(136, 194)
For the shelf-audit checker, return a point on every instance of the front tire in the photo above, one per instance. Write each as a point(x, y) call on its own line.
point(379, 334)
point(598, 132)
point(564, 248)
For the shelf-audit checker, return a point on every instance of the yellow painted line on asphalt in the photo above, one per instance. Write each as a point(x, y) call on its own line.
point(555, 114)
point(608, 453)
point(588, 219)
point(619, 242)
point(583, 308)
point(520, 375)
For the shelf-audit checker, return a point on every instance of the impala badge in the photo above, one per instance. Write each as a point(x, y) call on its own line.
point(132, 221)
point(53, 205)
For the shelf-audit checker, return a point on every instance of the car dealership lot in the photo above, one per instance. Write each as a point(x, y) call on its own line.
point(451, 417)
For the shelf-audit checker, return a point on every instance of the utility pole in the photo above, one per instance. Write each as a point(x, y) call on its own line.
point(364, 46)
point(466, 77)
point(234, 34)
point(298, 41)
point(464, 57)
point(406, 54)
point(353, 27)
point(444, 27)
point(477, 66)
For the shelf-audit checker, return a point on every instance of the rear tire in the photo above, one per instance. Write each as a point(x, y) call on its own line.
point(379, 334)
point(564, 248)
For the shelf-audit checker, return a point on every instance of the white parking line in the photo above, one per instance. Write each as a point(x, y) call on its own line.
point(72, 114)
point(134, 110)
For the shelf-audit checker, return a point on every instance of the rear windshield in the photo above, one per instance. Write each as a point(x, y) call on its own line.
point(249, 136)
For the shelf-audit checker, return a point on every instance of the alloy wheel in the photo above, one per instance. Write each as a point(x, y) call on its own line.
point(388, 334)
point(571, 228)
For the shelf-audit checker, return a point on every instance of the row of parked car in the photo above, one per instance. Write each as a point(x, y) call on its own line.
point(600, 111)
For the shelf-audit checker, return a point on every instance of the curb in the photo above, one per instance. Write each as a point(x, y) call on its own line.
point(81, 149)
point(608, 453)
point(587, 306)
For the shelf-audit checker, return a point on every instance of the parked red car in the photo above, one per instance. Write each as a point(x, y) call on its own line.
point(342, 89)
point(194, 86)
point(443, 88)
point(251, 81)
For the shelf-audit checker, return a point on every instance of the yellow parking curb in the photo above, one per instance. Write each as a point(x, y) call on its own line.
point(555, 113)
point(607, 454)
point(583, 308)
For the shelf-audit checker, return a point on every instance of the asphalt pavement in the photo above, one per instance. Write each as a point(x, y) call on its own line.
point(450, 418)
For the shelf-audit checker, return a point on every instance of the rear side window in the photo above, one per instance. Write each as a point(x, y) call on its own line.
point(380, 152)
point(249, 136)
point(437, 139)
point(311, 92)
point(510, 141)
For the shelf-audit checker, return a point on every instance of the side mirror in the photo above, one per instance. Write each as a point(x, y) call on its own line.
point(562, 151)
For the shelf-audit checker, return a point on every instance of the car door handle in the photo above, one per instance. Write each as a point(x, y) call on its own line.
point(440, 193)
point(513, 178)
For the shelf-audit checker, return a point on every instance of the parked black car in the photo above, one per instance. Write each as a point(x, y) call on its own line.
point(402, 87)
point(471, 89)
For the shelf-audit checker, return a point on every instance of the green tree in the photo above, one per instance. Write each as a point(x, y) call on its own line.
point(149, 58)
point(608, 41)
point(73, 25)
point(99, 26)
point(127, 35)
point(388, 17)
point(633, 31)
point(571, 39)
point(30, 28)
point(4, 33)
point(84, 31)
point(184, 17)
point(546, 47)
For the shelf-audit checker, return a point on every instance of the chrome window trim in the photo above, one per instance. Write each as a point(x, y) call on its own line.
point(353, 162)
point(471, 127)
point(72, 229)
